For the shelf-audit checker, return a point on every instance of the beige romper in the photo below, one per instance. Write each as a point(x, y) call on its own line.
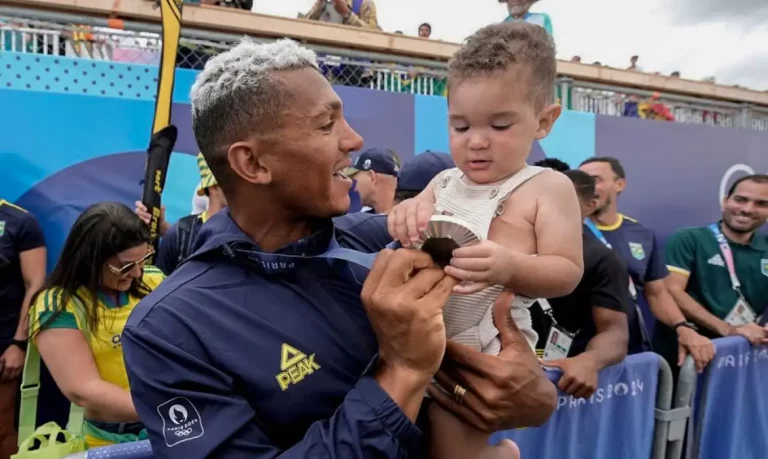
point(469, 318)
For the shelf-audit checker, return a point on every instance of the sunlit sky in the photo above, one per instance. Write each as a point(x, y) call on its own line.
point(726, 39)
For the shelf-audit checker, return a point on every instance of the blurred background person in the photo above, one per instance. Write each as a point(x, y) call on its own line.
point(79, 314)
point(593, 316)
point(22, 272)
point(375, 174)
point(417, 172)
point(519, 11)
point(425, 30)
point(357, 13)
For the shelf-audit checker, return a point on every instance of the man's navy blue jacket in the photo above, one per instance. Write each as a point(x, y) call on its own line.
point(240, 354)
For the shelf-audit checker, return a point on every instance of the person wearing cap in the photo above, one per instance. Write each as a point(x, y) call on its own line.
point(417, 172)
point(176, 243)
point(375, 174)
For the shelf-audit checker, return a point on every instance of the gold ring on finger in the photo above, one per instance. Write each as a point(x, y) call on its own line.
point(459, 393)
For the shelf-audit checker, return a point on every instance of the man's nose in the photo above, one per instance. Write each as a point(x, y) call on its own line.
point(350, 140)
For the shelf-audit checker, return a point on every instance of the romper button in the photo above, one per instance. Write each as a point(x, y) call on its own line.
point(494, 193)
point(444, 182)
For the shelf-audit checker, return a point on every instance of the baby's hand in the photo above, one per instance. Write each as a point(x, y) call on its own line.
point(408, 220)
point(479, 266)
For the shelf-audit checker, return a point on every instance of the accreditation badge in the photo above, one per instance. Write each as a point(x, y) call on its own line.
point(559, 343)
point(741, 314)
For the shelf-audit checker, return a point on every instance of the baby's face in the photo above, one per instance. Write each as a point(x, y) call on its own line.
point(493, 124)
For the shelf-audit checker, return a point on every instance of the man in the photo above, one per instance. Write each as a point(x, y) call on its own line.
point(375, 174)
point(638, 247)
point(178, 239)
point(176, 244)
point(258, 345)
point(418, 171)
point(633, 64)
point(518, 11)
point(719, 273)
point(22, 272)
point(594, 316)
point(357, 13)
point(425, 30)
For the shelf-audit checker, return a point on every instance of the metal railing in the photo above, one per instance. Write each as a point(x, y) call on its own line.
point(102, 43)
point(91, 38)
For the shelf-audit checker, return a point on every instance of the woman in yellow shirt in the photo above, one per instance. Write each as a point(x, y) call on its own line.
point(78, 317)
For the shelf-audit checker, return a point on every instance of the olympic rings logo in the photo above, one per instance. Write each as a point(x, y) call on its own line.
point(183, 433)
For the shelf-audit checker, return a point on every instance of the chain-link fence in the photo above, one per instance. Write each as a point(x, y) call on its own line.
point(101, 43)
point(142, 45)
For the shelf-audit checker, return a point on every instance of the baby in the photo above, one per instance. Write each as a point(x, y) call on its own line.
point(500, 100)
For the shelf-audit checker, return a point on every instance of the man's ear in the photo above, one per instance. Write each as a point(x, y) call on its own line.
point(247, 162)
point(590, 206)
point(547, 118)
point(620, 185)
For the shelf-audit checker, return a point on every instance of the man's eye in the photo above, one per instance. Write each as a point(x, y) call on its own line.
point(329, 126)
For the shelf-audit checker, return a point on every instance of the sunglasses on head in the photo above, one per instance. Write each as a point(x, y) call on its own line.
point(128, 267)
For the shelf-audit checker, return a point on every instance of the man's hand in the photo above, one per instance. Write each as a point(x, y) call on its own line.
point(341, 7)
point(754, 333)
point(408, 220)
point(143, 214)
point(404, 296)
point(479, 266)
point(11, 363)
point(579, 375)
point(701, 349)
point(503, 392)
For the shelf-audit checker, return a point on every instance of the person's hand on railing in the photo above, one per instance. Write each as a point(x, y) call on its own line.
point(701, 349)
point(579, 375)
point(754, 333)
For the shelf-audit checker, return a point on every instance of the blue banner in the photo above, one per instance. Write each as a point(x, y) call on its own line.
point(733, 408)
point(617, 421)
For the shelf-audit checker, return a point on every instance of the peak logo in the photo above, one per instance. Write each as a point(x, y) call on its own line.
point(294, 366)
point(622, 389)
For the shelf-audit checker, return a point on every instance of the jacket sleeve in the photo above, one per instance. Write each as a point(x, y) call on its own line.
point(167, 258)
point(192, 409)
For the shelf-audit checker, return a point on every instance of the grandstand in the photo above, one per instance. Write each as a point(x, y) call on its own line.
point(93, 30)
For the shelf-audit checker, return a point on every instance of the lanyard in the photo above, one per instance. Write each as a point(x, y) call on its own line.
point(273, 263)
point(599, 234)
point(725, 249)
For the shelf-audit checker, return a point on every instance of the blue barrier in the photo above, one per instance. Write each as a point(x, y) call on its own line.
point(732, 411)
point(618, 418)
point(617, 421)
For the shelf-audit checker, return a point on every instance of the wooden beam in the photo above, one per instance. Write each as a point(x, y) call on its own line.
point(233, 21)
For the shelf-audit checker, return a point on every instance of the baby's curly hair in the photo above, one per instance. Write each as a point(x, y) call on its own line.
point(495, 48)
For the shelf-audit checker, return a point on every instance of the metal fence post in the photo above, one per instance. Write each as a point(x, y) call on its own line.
point(663, 403)
point(565, 84)
point(745, 117)
point(680, 414)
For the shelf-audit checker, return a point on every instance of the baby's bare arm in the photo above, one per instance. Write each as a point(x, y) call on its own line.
point(559, 265)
